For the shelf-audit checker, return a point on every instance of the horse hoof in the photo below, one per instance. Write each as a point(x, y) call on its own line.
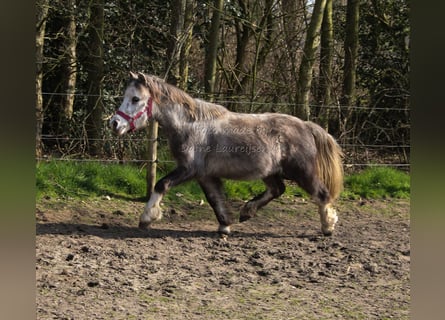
point(327, 232)
point(224, 230)
point(247, 212)
point(144, 225)
point(244, 218)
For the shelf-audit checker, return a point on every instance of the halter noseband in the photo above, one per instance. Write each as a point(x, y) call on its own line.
point(148, 108)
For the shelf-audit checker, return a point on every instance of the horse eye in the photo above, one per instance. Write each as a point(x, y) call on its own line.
point(135, 100)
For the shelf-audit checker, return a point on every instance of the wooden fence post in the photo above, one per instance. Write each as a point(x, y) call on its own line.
point(152, 156)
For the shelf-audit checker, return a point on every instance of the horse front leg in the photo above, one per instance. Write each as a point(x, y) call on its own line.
point(214, 192)
point(152, 210)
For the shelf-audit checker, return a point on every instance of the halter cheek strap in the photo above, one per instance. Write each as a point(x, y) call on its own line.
point(148, 108)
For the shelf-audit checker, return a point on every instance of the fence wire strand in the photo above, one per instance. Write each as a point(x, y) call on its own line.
point(118, 161)
point(347, 147)
point(242, 102)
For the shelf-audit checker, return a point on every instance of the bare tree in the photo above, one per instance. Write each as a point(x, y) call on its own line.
point(180, 42)
point(69, 63)
point(255, 29)
point(212, 49)
point(95, 71)
point(273, 53)
point(173, 45)
point(42, 14)
point(243, 32)
point(292, 23)
point(351, 49)
point(326, 60)
point(263, 44)
point(310, 47)
point(188, 38)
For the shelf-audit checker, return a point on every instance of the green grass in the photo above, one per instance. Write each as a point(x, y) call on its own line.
point(378, 182)
point(89, 179)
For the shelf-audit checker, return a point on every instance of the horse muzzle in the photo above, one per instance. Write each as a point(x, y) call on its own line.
point(118, 126)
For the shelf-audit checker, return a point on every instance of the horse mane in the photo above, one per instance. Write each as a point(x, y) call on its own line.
point(207, 111)
point(194, 109)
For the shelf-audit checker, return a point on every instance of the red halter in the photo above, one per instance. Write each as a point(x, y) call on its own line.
point(148, 108)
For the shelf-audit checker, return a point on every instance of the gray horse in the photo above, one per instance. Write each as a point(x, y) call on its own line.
point(210, 143)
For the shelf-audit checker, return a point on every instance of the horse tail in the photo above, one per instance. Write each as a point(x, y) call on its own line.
point(328, 160)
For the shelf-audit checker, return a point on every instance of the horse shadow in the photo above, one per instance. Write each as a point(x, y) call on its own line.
point(106, 231)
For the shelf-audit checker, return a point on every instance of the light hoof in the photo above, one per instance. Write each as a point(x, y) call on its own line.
point(154, 213)
point(328, 217)
point(224, 230)
point(149, 215)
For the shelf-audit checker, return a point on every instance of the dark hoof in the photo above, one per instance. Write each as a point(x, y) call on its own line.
point(244, 218)
point(144, 225)
point(327, 233)
point(247, 212)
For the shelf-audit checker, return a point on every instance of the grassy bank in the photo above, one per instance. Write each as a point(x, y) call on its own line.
point(90, 179)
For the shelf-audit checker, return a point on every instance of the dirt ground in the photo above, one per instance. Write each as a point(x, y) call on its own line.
point(92, 262)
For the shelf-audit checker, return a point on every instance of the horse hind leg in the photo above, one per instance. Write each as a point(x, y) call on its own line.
point(328, 218)
point(320, 195)
point(328, 215)
point(275, 188)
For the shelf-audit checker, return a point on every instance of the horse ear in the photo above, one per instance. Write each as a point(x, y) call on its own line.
point(141, 78)
point(133, 76)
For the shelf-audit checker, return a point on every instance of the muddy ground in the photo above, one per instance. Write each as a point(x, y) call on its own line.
point(93, 263)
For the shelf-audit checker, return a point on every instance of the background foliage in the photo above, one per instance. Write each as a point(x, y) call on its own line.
point(259, 55)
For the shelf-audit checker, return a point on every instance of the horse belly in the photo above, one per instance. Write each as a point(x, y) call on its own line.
point(242, 163)
point(242, 148)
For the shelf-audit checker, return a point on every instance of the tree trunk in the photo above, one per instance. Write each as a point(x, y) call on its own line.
point(293, 25)
point(292, 22)
point(244, 76)
point(212, 50)
point(242, 38)
point(180, 42)
point(188, 37)
point(240, 69)
point(95, 69)
point(42, 14)
point(326, 60)
point(69, 65)
point(305, 73)
point(289, 9)
point(263, 45)
point(351, 49)
point(174, 46)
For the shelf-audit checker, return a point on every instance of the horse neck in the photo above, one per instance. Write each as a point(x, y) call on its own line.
point(173, 116)
point(169, 116)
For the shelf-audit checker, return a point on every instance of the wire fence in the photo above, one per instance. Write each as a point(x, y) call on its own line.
point(358, 154)
point(116, 161)
point(236, 100)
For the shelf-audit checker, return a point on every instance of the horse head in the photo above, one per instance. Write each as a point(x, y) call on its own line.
point(136, 107)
